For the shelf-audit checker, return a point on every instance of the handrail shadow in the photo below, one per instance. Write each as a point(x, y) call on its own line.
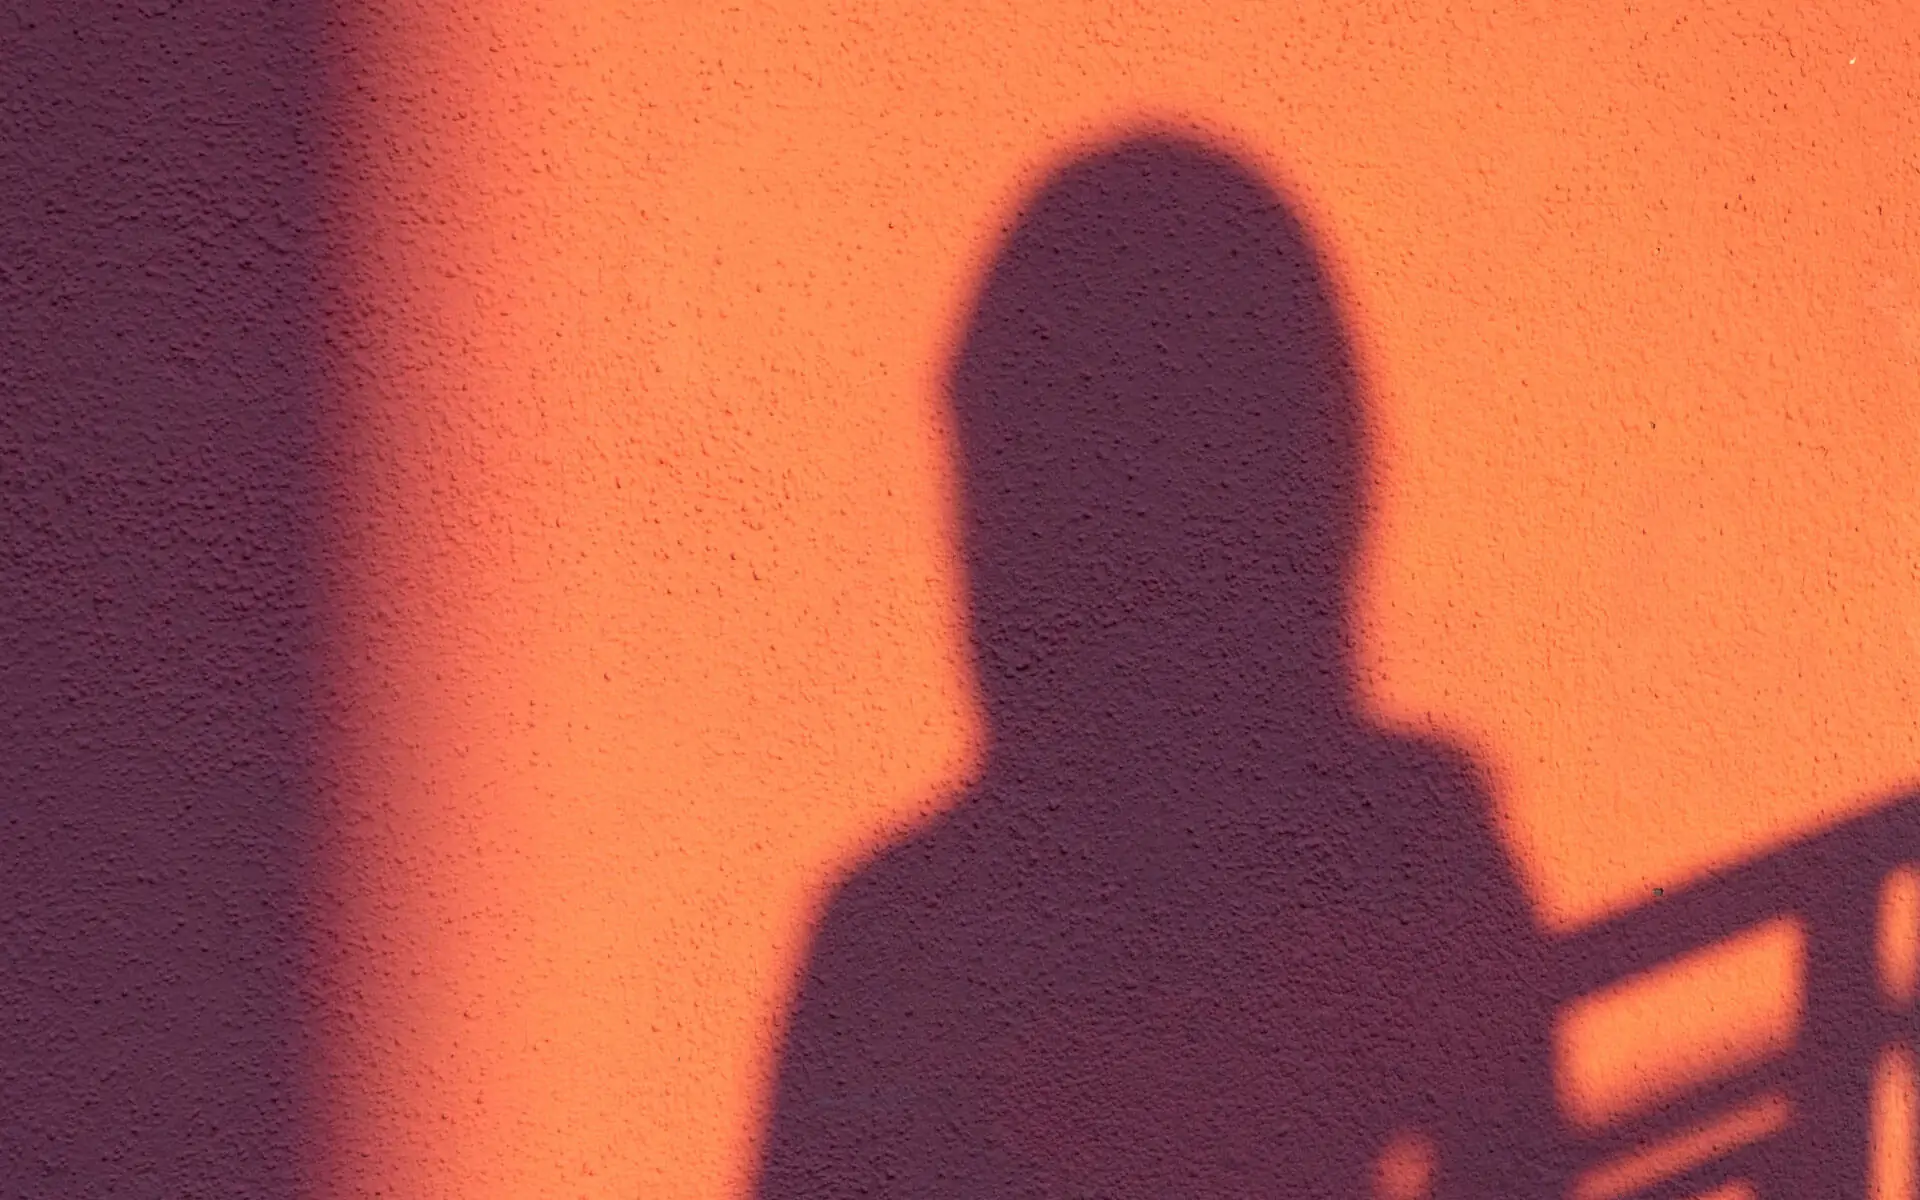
point(1831, 887)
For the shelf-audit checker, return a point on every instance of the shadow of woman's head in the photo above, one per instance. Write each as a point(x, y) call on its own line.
point(1161, 446)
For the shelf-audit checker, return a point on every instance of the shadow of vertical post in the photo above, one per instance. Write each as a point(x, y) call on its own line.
point(1845, 1027)
point(158, 504)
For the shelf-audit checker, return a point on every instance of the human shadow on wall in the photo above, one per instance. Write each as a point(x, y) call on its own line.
point(1200, 928)
point(159, 508)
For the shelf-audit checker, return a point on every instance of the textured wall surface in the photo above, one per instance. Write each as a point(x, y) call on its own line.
point(159, 590)
point(468, 677)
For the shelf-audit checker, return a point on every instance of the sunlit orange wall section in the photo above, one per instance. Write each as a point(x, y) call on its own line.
point(645, 486)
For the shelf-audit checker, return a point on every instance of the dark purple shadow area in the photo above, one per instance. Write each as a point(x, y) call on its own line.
point(1201, 929)
point(158, 511)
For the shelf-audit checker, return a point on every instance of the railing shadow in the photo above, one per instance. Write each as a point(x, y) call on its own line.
point(1832, 889)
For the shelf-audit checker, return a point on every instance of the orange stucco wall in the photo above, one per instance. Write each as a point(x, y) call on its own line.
point(652, 622)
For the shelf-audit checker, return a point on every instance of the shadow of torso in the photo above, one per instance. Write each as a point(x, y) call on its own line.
point(1239, 1001)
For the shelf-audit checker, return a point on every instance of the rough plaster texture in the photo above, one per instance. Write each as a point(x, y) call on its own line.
point(648, 625)
point(158, 590)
